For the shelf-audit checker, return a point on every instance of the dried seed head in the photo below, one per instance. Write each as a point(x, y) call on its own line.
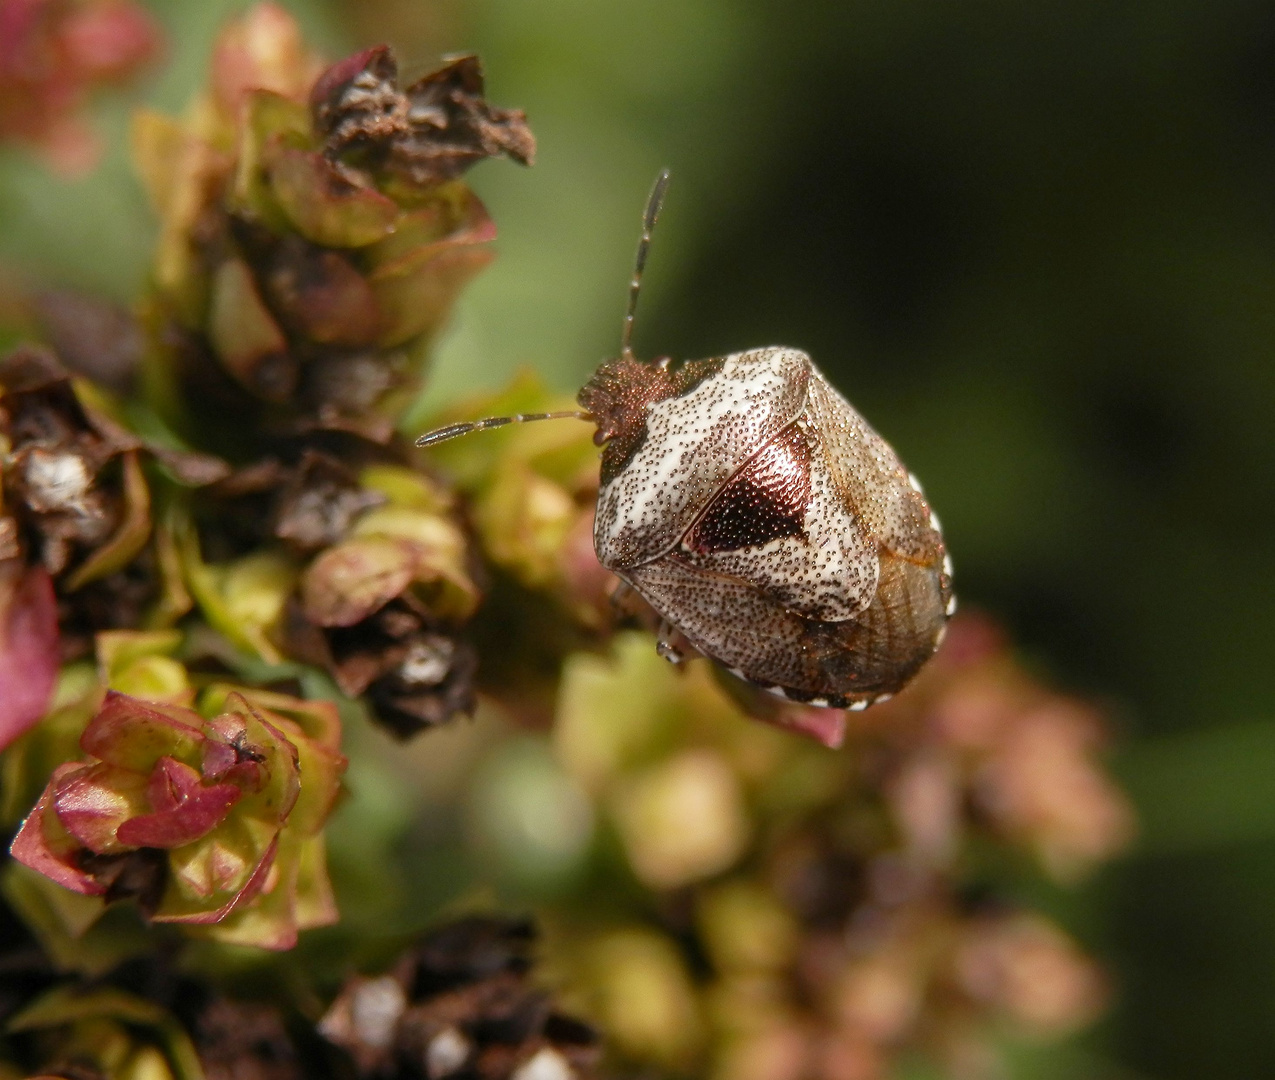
point(461, 1005)
point(432, 132)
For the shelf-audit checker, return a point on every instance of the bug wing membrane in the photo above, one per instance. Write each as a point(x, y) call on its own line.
point(693, 444)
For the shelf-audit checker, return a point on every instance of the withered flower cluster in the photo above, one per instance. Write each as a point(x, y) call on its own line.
point(214, 565)
point(314, 235)
point(180, 629)
point(459, 1005)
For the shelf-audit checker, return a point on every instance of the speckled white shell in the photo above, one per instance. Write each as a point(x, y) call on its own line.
point(840, 614)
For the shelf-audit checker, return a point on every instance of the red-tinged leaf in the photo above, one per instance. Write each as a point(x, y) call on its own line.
point(825, 726)
point(453, 216)
point(420, 302)
point(318, 721)
point(219, 758)
point(94, 801)
point(185, 810)
point(47, 848)
point(248, 776)
point(324, 204)
point(262, 744)
point(320, 295)
point(171, 784)
point(177, 911)
point(420, 269)
point(230, 760)
point(29, 652)
point(133, 734)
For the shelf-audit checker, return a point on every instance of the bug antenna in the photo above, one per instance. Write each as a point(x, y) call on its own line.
point(454, 431)
point(649, 218)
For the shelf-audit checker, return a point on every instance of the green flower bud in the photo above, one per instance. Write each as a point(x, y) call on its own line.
point(141, 664)
point(243, 598)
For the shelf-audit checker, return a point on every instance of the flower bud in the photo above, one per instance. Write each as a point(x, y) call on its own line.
point(243, 598)
point(533, 489)
point(141, 664)
point(211, 819)
point(381, 608)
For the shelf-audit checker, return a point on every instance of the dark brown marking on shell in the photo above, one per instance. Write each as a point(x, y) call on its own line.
point(618, 395)
point(765, 500)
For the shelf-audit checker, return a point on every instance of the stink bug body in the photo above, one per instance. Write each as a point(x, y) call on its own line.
point(763, 519)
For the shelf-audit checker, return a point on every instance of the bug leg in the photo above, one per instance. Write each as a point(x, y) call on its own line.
point(670, 643)
point(627, 603)
point(620, 595)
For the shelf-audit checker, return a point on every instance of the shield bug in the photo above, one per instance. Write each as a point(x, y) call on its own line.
point(759, 514)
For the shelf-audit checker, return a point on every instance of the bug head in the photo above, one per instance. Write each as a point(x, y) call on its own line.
point(618, 394)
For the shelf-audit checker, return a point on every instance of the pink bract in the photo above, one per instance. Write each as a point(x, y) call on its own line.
point(29, 652)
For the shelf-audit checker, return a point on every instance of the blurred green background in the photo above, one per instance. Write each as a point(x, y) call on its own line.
point(1032, 240)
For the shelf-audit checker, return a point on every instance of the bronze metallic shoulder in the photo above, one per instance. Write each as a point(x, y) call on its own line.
point(618, 395)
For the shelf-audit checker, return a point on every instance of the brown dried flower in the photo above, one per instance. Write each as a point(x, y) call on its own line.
point(460, 1005)
point(72, 477)
point(431, 132)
